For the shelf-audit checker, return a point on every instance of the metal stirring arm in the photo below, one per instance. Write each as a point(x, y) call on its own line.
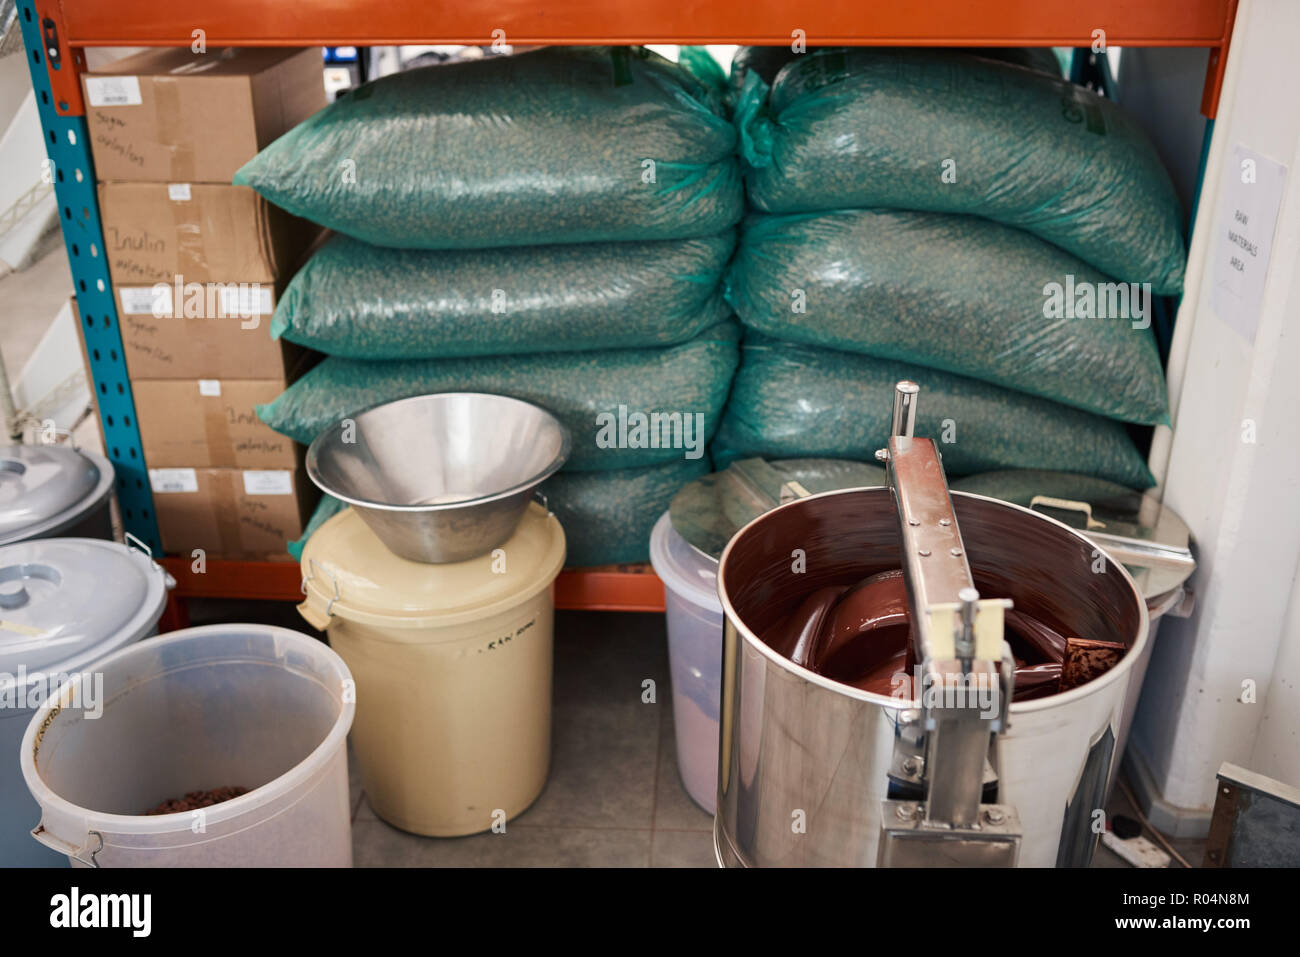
point(965, 667)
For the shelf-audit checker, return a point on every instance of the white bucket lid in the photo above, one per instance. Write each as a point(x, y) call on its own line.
point(685, 570)
point(44, 488)
point(65, 602)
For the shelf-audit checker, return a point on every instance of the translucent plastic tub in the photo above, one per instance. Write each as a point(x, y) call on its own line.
point(694, 656)
point(65, 604)
point(221, 706)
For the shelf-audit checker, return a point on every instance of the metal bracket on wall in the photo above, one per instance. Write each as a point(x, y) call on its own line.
point(1217, 67)
point(56, 81)
point(63, 64)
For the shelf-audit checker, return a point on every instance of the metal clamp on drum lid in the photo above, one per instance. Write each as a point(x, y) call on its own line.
point(958, 641)
point(317, 618)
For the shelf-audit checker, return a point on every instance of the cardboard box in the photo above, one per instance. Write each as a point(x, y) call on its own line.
point(231, 513)
point(211, 331)
point(171, 116)
point(202, 232)
point(210, 423)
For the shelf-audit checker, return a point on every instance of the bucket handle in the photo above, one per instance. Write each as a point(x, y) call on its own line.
point(1067, 505)
point(140, 546)
point(77, 854)
point(540, 497)
point(49, 435)
point(791, 490)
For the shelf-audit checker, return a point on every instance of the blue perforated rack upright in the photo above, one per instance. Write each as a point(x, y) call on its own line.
point(72, 171)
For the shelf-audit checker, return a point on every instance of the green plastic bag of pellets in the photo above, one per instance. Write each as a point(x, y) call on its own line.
point(558, 145)
point(768, 61)
point(957, 293)
point(326, 508)
point(793, 400)
point(607, 516)
point(948, 132)
point(1022, 486)
point(367, 302)
point(624, 408)
point(700, 63)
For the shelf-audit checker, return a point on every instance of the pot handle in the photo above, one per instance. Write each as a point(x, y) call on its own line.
point(540, 498)
point(82, 855)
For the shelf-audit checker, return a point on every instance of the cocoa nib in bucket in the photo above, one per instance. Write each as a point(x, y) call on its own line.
point(197, 799)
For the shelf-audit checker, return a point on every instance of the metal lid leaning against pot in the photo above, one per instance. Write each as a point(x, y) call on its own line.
point(1139, 531)
point(711, 509)
point(42, 483)
point(348, 572)
point(65, 602)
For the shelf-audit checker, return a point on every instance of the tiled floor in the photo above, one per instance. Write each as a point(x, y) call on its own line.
point(613, 798)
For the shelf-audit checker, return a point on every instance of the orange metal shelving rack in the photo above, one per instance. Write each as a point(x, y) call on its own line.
point(58, 31)
point(1187, 23)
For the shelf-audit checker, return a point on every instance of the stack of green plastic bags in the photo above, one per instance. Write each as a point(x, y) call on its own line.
point(553, 226)
point(976, 224)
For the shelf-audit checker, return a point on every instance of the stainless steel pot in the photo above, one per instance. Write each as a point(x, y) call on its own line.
point(806, 762)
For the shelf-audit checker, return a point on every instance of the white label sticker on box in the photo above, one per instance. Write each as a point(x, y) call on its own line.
point(146, 300)
point(268, 483)
point(209, 387)
point(246, 299)
point(164, 481)
point(180, 192)
point(113, 90)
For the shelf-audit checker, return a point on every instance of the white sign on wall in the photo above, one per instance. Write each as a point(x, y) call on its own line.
point(1252, 196)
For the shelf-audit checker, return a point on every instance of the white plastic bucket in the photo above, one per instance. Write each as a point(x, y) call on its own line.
point(224, 705)
point(694, 616)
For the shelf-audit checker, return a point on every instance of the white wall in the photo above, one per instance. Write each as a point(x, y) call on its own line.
point(1278, 744)
point(24, 181)
point(15, 84)
point(1241, 499)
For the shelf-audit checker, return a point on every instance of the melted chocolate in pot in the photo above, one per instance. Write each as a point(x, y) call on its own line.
point(861, 636)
